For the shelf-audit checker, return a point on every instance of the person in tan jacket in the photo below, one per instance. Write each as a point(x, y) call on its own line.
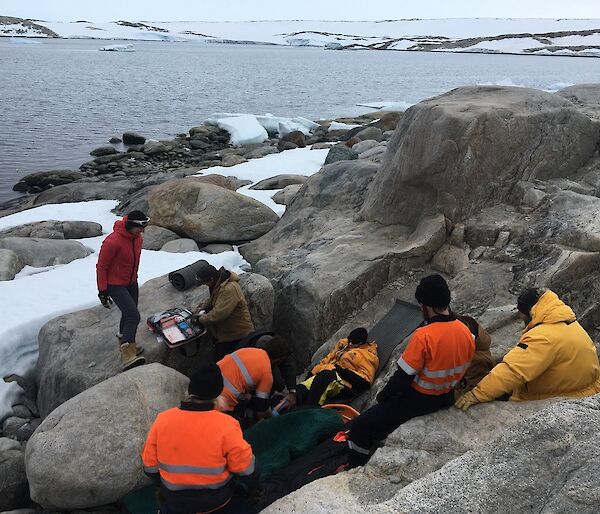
point(225, 313)
point(554, 357)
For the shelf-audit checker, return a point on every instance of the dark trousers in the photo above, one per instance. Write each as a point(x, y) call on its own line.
point(235, 506)
point(222, 349)
point(319, 384)
point(377, 422)
point(126, 299)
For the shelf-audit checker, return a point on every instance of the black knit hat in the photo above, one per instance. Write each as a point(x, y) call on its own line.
point(433, 292)
point(358, 336)
point(136, 219)
point(527, 299)
point(206, 271)
point(206, 382)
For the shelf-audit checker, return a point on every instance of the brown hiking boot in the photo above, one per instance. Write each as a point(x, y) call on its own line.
point(138, 349)
point(129, 359)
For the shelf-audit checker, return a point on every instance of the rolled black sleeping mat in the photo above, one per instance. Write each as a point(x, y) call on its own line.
point(185, 278)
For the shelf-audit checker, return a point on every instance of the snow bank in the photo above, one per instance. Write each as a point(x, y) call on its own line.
point(301, 161)
point(32, 299)
point(278, 126)
point(117, 48)
point(336, 125)
point(244, 128)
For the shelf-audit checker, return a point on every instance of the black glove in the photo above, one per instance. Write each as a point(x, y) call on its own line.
point(105, 300)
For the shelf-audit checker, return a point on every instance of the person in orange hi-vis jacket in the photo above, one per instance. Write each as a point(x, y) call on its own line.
point(194, 452)
point(434, 362)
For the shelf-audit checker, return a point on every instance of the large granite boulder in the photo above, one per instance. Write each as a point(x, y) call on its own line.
point(208, 213)
point(51, 229)
point(324, 264)
point(40, 180)
point(10, 264)
point(87, 452)
point(44, 252)
point(279, 182)
point(80, 350)
point(586, 97)
point(156, 237)
point(84, 191)
point(468, 148)
point(14, 491)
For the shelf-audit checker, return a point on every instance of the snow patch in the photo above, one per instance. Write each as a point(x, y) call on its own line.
point(243, 128)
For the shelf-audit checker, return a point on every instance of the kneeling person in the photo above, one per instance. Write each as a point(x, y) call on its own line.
point(247, 375)
point(193, 451)
point(226, 313)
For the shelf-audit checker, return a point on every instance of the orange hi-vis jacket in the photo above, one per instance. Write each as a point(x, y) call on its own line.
point(438, 354)
point(196, 449)
point(246, 371)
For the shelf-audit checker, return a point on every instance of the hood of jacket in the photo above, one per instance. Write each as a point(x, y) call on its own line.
point(550, 309)
point(119, 228)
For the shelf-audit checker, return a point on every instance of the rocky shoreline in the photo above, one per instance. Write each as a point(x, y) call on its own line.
point(497, 188)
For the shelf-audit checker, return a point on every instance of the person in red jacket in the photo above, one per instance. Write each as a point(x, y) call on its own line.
point(197, 454)
point(116, 274)
point(433, 363)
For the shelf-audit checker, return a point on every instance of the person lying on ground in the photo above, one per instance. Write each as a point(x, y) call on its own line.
point(435, 360)
point(225, 313)
point(194, 452)
point(248, 380)
point(350, 367)
point(554, 357)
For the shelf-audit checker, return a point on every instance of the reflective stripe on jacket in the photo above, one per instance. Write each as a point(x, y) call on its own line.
point(438, 355)
point(245, 371)
point(119, 257)
point(362, 360)
point(554, 357)
point(196, 450)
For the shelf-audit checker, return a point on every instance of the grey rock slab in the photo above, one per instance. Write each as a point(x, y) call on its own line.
point(208, 213)
point(156, 237)
point(14, 491)
point(69, 343)
point(132, 138)
point(287, 194)
point(365, 145)
point(586, 97)
point(44, 252)
point(261, 152)
point(87, 452)
point(81, 229)
point(370, 133)
point(340, 153)
point(467, 149)
point(217, 248)
point(181, 245)
point(279, 182)
point(104, 150)
point(154, 148)
point(450, 260)
point(78, 192)
point(376, 151)
point(10, 264)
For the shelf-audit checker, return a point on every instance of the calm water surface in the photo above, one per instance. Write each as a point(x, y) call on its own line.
point(59, 99)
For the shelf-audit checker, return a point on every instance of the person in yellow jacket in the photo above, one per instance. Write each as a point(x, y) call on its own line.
point(350, 366)
point(554, 357)
point(225, 313)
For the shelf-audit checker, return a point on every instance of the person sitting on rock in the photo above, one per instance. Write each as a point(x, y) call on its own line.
point(482, 361)
point(225, 313)
point(193, 452)
point(434, 362)
point(350, 367)
point(248, 379)
point(554, 357)
point(116, 274)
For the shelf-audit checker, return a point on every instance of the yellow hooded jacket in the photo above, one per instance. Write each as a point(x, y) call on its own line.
point(362, 360)
point(555, 357)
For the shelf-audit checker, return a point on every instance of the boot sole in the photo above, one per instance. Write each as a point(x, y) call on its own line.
point(138, 362)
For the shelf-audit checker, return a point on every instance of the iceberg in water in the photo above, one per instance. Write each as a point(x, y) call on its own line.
point(117, 48)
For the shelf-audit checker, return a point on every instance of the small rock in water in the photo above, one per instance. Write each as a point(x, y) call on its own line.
point(115, 140)
point(103, 150)
point(131, 138)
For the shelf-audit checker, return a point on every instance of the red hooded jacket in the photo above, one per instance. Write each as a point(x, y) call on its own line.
point(119, 257)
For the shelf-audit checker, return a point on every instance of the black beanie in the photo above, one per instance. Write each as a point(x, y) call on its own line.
point(137, 216)
point(527, 299)
point(206, 382)
point(358, 336)
point(206, 271)
point(433, 292)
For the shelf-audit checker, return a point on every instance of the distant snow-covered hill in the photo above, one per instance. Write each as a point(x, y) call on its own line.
point(573, 37)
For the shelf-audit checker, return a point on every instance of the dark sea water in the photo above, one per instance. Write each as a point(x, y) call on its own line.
point(59, 99)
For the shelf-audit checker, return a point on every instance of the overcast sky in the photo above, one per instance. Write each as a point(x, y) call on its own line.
point(173, 10)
